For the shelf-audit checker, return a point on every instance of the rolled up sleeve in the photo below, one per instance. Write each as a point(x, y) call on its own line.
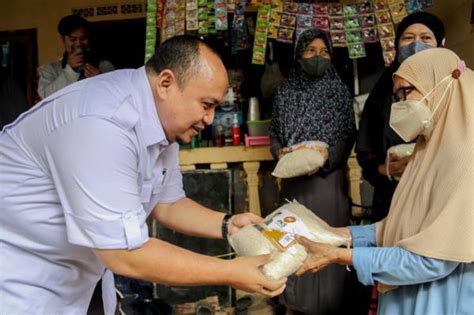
point(363, 235)
point(93, 163)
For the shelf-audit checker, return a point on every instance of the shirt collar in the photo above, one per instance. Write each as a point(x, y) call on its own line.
point(150, 123)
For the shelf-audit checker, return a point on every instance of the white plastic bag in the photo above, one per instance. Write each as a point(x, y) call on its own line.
point(401, 151)
point(302, 160)
point(276, 235)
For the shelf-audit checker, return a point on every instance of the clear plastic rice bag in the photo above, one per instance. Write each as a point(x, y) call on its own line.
point(277, 235)
point(302, 160)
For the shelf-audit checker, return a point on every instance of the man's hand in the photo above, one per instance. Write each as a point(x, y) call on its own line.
point(321, 255)
point(162, 262)
point(76, 59)
point(238, 221)
point(248, 276)
point(90, 70)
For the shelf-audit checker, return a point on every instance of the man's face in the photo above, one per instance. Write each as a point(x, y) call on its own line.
point(187, 110)
point(75, 41)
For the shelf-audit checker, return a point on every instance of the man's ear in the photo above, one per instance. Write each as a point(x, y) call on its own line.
point(165, 80)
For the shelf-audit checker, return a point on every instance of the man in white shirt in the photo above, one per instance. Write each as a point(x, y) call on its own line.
point(83, 169)
point(79, 61)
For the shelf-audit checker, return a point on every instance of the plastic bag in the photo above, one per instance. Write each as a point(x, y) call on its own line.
point(277, 235)
point(302, 160)
point(401, 151)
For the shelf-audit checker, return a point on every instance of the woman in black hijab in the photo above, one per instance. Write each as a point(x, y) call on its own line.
point(416, 32)
point(314, 104)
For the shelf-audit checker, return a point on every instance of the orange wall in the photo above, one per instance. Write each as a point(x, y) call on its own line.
point(44, 15)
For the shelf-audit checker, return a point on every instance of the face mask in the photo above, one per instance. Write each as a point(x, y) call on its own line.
point(315, 66)
point(410, 118)
point(406, 51)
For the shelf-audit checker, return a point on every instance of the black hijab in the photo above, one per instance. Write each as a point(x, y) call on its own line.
point(307, 108)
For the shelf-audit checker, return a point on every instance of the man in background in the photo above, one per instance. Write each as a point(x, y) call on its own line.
point(79, 61)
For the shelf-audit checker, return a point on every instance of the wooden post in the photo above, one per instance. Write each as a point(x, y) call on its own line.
point(251, 168)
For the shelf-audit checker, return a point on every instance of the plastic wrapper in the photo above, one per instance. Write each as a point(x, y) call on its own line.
point(302, 160)
point(277, 235)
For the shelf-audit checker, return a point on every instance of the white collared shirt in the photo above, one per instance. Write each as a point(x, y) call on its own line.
point(82, 169)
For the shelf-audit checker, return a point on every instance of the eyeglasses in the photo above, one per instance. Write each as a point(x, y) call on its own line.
point(402, 93)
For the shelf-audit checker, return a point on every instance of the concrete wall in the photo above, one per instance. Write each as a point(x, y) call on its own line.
point(44, 15)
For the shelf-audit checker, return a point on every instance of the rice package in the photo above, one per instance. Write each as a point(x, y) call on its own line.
point(302, 160)
point(277, 235)
point(401, 150)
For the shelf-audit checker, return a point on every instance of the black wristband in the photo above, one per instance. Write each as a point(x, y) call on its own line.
point(225, 226)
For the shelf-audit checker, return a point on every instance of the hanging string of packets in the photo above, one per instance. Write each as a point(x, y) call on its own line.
point(351, 25)
point(150, 29)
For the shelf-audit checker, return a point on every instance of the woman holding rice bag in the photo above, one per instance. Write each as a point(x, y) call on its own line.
point(422, 253)
point(417, 31)
point(315, 105)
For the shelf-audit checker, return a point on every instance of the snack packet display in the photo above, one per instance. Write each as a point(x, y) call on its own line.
point(397, 10)
point(277, 235)
point(260, 40)
point(303, 159)
point(386, 32)
point(221, 14)
point(150, 30)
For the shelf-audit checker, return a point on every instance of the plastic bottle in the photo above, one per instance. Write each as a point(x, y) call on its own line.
point(236, 130)
point(219, 135)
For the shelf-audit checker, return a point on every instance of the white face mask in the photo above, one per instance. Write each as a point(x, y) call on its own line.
point(411, 118)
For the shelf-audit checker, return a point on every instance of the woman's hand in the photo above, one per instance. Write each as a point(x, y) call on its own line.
point(282, 151)
point(396, 166)
point(321, 255)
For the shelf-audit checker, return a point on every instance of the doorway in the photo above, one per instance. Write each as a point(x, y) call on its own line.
point(20, 58)
point(121, 42)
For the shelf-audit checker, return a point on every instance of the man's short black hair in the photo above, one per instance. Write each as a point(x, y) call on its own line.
point(70, 23)
point(179, 54)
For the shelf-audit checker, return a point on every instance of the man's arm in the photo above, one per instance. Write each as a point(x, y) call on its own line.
point(189, 217)
point(52, 80)
point(165, 263)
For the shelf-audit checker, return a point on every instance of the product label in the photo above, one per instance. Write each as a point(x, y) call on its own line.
point(286, 221)
point(281, 229)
